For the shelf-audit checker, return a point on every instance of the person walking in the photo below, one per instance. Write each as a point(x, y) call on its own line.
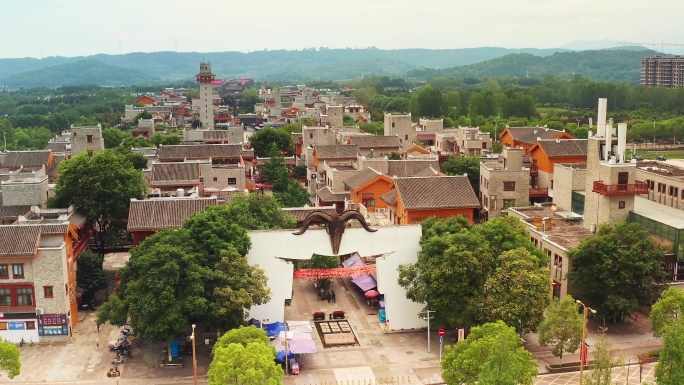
point(332, 294)
point(329, 296)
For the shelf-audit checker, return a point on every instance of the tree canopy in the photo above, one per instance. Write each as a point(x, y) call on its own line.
point(468, 165)
point(667, 309)
point(669, 370)
point(561, 326)
point(101, 186)
point(253, 364)
point(627, 249)
point(492, 354)
point(456, 261)
point(9, 359)
point(197, 273)
point(89, 275)
point(263, 140)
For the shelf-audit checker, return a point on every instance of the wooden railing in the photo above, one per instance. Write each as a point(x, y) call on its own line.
point(537, 192)
point(636, 188)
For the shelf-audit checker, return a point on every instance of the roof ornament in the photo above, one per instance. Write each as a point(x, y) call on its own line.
point(334, 225)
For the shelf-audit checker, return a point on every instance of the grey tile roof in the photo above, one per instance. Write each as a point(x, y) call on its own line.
point(327, 196)
point(336, 151)
point(19, 239)
point(157, 214)
point(566, 147)
point(375, 141)
point(409, 167)
point(530, 134)
point(390, 197)
point(436, 192)
point(300, 213)
point(174, 173)
point(15, 159)
point(199, 151)
point(360, 178)
point(429, 171)
point(7, 212)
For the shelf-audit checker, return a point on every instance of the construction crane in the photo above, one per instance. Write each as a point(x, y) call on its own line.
point(655, 45)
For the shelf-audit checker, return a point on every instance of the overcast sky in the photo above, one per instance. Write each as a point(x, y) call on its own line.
point(41, 28)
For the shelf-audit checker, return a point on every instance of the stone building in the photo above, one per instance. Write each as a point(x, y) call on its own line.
point(504, 183)
point(86, 138)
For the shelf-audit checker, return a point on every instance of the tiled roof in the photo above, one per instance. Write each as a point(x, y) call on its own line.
point(360, 178)
point(568, 147)
point(287, 161)
point(337, 151)
point(530, 134)
point(375, 141)
point(77, 218)
point(156, 214)
point(297, 138)
point(436, 192)
point(301, 213)
point(13, 211)
point(26, 158)
point(390, 197)
point(175, 173)
point(216, 134)
point(409, 167)
point(19, 239)
point(429, 171)
point(54, 228)
point(327, 196)
point(199, 151)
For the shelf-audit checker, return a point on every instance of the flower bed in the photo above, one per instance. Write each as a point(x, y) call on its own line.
point(566, 367)
point(319, 316)
point(338, 314)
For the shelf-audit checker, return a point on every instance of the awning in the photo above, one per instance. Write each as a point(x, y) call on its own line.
point(365, 282)
point(354, 260)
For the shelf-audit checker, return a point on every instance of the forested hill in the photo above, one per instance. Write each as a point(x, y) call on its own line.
point(318, 64)
point(610, 64)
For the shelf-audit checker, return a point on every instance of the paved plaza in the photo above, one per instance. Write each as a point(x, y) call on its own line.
point(379, 358)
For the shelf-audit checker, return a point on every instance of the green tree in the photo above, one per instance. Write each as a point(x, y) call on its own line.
point(244, 335)
point(518, 291)
point(602, 365)
point(101, 186)
point(165, 140)
point(238, 286)
point(114, 310)
point(508, 233)
point(250, 365)
point(9, 359)
point(89, 275)
point(142, 115)
point(669, 370)
point(667, 310)
point(469, 165)
point(250, 97)
point(263, 141)
point(427, 102)
point(561, 326)
point(626, 248)
point(492, 355)
point(113, 137)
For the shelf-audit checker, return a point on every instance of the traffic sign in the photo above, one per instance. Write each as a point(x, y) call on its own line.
point(441, 332)
point(440, 339)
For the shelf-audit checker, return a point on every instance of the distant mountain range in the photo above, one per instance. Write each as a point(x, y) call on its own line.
point(321, 64)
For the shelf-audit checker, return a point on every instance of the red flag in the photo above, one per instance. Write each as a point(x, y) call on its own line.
point(242, 161)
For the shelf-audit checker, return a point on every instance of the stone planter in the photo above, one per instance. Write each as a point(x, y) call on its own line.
point(566, 367)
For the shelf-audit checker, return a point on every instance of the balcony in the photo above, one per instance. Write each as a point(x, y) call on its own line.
point(536, 192)
point(636, 188)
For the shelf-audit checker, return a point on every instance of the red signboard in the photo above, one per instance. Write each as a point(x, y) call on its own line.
point(441, 332)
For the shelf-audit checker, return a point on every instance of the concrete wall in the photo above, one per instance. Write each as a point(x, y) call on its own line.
point(312, 136)
point(335, 116)
point(400, 244)
point(27, 192)
point(221, 174)
point(86, 139)
point(664, 198)
point(568, 179)
point(402, 126)
point(492, 186)
point(430, 125)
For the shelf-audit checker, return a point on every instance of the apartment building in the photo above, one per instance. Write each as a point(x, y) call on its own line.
point(660, 71)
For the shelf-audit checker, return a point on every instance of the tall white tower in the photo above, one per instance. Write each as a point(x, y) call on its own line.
point(204, 78)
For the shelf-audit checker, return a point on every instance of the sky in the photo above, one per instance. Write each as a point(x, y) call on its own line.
point(42, 28)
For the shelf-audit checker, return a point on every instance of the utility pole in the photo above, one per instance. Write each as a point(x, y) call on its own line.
point(428, 318)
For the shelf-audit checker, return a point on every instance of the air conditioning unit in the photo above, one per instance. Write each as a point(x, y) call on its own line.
point(40, 310)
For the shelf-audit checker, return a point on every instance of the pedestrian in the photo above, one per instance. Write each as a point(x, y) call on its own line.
point(329, 296)
point(320, 293)
point(332, 294)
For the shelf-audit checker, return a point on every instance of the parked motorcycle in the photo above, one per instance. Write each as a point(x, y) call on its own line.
point(86, 305)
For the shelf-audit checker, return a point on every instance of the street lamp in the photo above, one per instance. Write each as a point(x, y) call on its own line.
point(495, 126)
point(194, 357)
point(584, 338)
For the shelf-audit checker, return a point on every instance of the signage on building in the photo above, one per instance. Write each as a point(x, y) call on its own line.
point(217, 82)
point(53, 324)
point(16, 325)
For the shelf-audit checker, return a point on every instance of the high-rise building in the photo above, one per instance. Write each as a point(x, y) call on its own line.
point(660, 71)
point(205, 79)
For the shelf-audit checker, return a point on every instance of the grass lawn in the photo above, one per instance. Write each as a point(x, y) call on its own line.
point(669, 154)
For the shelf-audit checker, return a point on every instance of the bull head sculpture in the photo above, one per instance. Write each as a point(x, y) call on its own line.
point(334, 225)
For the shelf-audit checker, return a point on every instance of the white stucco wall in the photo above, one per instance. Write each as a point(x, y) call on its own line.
point(399, 242)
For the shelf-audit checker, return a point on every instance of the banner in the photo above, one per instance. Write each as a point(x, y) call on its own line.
point(339, 272)
point(217, 82)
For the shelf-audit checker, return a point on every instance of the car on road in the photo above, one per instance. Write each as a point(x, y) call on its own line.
point(661, 157)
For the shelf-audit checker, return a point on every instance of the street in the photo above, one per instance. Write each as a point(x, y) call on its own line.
point(627, 375)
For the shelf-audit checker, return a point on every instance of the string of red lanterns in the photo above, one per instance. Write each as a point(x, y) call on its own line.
point(337, 272)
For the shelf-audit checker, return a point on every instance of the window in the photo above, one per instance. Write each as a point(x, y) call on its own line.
point(4, 271)
point(310, 135)
point(392, 124)
point(89, 138)
point(5, 297)
point(24, 296)
point(47, 292)
point(621, 204)
point(30, 325)
point(215, 179)
point(232, 180)
point(201, 179)
point(405, 137)
point(509, 186)
point(3, 325)
point(370, 203)
point(18, 270)
point(557, 260)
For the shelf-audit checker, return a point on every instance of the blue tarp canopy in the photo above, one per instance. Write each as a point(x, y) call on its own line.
point(274, 329)
point(255, 322)
point(280, 356)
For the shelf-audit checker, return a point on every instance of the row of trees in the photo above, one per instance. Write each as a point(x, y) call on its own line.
point(197, 273)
